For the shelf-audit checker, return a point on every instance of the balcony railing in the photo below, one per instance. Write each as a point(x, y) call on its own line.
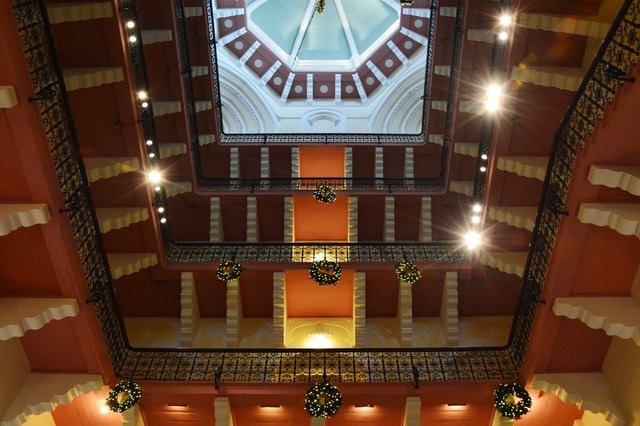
point(618, 52)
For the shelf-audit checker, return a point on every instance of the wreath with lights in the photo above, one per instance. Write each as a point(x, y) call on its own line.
point(322, 400)
point(324, 194)
point(229, 270)
point(132, 394)
point(406, 2)
point(325, 272)
point(408, 272)
point(512, 400)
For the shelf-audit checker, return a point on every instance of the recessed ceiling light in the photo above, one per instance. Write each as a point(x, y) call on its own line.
point(154, 176)
point(472, 239)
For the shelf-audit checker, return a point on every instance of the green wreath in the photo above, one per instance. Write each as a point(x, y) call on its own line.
point(408, 272)
point(506, 403)
point(324, 194)
point(229, 270)
point(325, 272)
point(322, 400)
point(132, 392)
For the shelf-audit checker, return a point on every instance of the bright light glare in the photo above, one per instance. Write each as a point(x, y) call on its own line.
point(142, 95)
point(475, 219)
point(163, 220)
point(149, 142)
point(483, 169)
point(484, 156)
point(131, 24)
point(154, 176)
point(160, 209)
point(472, 239)
point(494, 91)
point(476, 208)
point(492, 105)
point(104, 409)
point(318, 341)
point(133, 39)
point(505, 20)
point(503, 35)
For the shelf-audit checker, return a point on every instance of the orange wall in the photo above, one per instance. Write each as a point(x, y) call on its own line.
point(316, 221)
point(321, 161)
point(305, 298)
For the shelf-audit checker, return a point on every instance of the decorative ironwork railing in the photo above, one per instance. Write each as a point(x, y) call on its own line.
point(619, 50)
point(309, 252)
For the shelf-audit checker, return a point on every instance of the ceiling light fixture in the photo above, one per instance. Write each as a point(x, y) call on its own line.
point(475, 219)
point(131, 24)
point(154, 176)
point(472, 239)
point(476, 208)
point(133, 39)
point(505, 20)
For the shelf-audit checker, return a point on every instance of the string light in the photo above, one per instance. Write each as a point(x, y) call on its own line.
point(131, 24)
point(133, 39)
point(483, 169)
point(163, 220)
point(149, 142)
point(160, 209)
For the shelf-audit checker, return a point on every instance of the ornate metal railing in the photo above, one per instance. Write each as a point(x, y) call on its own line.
point(308, 252)
point(618, 52)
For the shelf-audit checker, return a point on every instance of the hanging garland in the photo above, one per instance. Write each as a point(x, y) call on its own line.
point(406, 2)
point(132, 392)
point(229, 270)
point(324, 194)
point(507, 404)
point(408, 272)
point(325, 272)
point(320, 6)
point(322, 400)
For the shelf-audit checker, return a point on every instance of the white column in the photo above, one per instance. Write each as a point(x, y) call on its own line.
point(234, 163)
point(289, 229)
point(408, 163)
point(189, 311)
point(216, 230)
point(389, 219)
point(449, 308)
point(405, 314)
point(379, 162)
point(234, 313)
point(295, 162)
point(353, 219)
point(223, 414)
point(359, 311)
point(279, 310)
point(253, 234)
point(348, 162)
point(264, 163)
point(424, 233)
point(412, 411)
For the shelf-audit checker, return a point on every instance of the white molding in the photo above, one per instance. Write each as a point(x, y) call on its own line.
point(464, 187)
point(14, 216)
point(111, 218)
point(405, 314)
point(129, 263)
point(408, 163)
point(203, 106)
point(171, 189)
point(530, 167)
point(563, 78)
point(379, 162)
point(234, 162)
point(564, 24)
point(519, 217)
point(507, 262)
point(107, 167)
point(411, 415)
point(466, 148)
point(588, 391)
point(156, 36)
point(348, 162)
point(84, 78)
point(627, 178)
point(71, 12)
point(389, 219)
point(425, 231)
point(617, 316)
point(289, 226)
point(481, 35)
point(171, 149)
point(19, 315)
point(353, 219)
point(161, 108)
point(622, 218)
point(42, 392)
point(223, 414)
point(253, 231)
point(265, 168)
point(295, 162)
point(8, 98)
